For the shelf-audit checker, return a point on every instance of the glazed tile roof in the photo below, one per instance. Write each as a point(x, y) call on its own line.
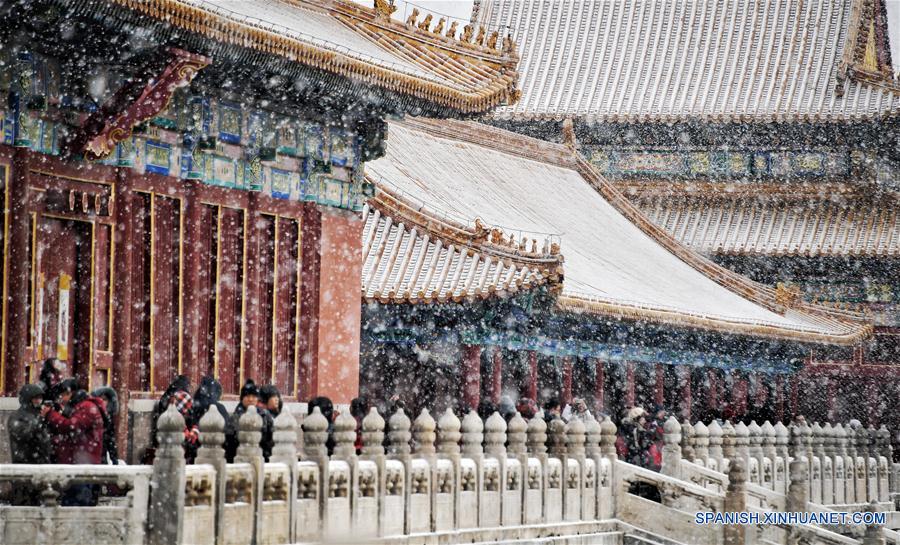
point(780, 228)
point(411, 256)
point(617, 263)
point(742, 60)
point(350, 40)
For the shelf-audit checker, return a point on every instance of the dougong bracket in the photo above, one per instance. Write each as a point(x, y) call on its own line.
point(145, 96)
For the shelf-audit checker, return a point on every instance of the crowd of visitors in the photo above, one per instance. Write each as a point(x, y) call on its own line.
point(59, 422)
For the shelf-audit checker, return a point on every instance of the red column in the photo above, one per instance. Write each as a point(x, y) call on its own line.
point(599, 402)
point(471, 393)
point(567, 381)
point(17, 279)
point(659, 396)
point(629, 384)
point(497, 375)
point(779, 398)
point(795, 394)
point(124, 347)
point(687, 399)
point(713, 401)
point(532, 375)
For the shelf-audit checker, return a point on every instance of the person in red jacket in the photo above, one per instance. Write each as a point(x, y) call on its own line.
point(78, 436)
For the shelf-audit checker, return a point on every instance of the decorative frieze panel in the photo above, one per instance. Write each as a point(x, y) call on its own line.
point(220, 142)
point(738, 164)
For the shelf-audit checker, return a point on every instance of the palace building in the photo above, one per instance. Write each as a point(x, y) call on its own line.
point(762, 135)
point(183, 180)
point(498, 264)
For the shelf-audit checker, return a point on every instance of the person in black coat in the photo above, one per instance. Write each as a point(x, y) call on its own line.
point(180, 384)
point(249, 398)
point(110, 445)
point(269, 407)
point(29, 439)
point(207, 395)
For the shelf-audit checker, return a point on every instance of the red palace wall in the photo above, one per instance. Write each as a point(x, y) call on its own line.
point(168, 276)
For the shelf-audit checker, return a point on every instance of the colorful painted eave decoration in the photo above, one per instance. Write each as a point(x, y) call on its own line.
point(116, 120)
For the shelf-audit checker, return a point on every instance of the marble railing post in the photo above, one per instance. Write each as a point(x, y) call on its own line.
point(315, 437)
point(556, 442)
point(768, 452)
point(537, 448)
point(472, 429)
point(608, 439)
point(212, 437)
point(742, 443)
point(828, 456)
point(399, 449)
point(687, 440)
point(516, 437)
point(782, 438)
point(885, 450)
point(284, 450)
point(344, 437)
point(423, 437)
point(249, 435)
point(755, 450)
point(701, 444)
point(575, 439)
point(495, 447)
point(165, 523)
point(807, 442)
point(874, 534)
point(593, 435)
point(735, 501)
point(798, 490)
point(862, 464)
point(373, 450)
point(671, 452)
point(448, 436)
point(729, 445)
point(847, 480)
point(716, 454)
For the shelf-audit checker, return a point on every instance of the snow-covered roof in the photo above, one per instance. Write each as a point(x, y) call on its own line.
point(353, 41)
point(778, 227)
point(718, 60)
point(617, 262)
point(412, 256)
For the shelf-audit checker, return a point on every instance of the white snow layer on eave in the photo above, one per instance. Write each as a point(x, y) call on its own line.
point(607, 257)
point(307, 25)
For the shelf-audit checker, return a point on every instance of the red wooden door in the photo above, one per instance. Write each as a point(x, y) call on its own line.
point(63, 293)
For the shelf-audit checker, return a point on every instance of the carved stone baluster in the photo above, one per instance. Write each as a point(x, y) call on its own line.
point(315, 437)
point(729, 445)
point(166, 516)
point(284, 451)
point(495, 437)
point(755, 450)
point(701, 444)
point(716, 454)
point(212, 437)
point(671, 453)
point(798, 490)
point(736, 501)
point(373, 449)
point(448, 436)
point(687, 440)
point(472, 439)
point(608, 438)
point(742, 443)
point(399, 449)
point(768, 452)
point(249, 435)
point(423, 436)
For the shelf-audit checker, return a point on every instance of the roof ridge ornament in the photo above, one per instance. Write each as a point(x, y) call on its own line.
point(384, 9)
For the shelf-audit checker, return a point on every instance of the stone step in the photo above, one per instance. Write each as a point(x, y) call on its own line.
point(599, 538)
point(639, 536)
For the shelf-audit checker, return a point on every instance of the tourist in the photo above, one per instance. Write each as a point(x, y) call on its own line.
point(249, 398)
point(78, 436)
point(527, 408)
point(268, 406)
point(576, 411)
point(552, 410)
point(53, 372)
point(359, 407)
point(184, 403)
point(180, 384)
point(506, 408)
point(207, 395)
point(29, 440)
point(326, 407)
point(110, 445)
point(634, 437)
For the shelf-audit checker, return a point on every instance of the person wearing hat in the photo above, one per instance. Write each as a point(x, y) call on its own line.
point(249, 398)
point(269, 407)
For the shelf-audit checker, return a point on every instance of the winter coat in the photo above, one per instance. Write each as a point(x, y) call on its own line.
point(110, 445)
point(231, 430)
point(29, 440)
point(80, 436)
